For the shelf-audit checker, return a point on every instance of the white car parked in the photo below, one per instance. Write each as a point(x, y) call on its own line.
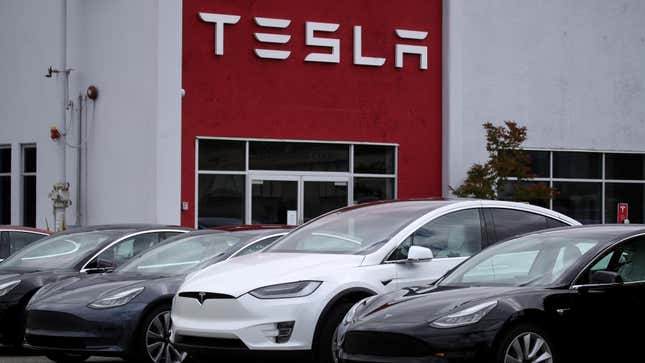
point(291, 298)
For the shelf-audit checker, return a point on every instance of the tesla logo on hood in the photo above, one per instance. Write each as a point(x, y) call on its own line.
point(201, 297)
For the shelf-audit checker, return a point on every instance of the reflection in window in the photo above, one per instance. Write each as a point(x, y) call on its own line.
point(625, 166)
point(578, 165)
point(580, 201)
point(5, 185)
point(374, 159)
point(540, 163)
point(457, 234)
point(220, 200)
point(298, 156)
point(373, 189)
point(222, 155)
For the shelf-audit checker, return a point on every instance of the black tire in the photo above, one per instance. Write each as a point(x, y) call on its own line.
point(139, 349)
point(67, 357)
point(519, 332)
point(331, 321)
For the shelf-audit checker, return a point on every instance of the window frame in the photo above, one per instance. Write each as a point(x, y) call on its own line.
point(603, 180)
point(248, 172)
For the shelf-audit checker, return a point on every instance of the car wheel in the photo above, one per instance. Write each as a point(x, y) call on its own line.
point(526, 343)
point(67, 357)
point(325, 346)
point(153, 344)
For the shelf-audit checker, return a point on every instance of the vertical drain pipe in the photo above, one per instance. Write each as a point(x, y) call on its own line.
point(79, 162)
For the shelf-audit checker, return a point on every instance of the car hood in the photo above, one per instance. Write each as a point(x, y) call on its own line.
point(418, 305)
point(240, 275)
point(30, 281)
point(84, 290)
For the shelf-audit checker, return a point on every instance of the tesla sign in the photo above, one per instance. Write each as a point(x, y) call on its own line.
point(623, 213)
point(331, 44)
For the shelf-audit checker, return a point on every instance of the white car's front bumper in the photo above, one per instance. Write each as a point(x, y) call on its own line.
point(249, 319)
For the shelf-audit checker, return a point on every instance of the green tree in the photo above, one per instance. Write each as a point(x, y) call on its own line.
point(506, 159)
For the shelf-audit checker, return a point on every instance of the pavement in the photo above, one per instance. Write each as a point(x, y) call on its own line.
point(38, 359)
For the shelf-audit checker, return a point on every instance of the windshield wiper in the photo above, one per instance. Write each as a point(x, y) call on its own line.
point(535, 279)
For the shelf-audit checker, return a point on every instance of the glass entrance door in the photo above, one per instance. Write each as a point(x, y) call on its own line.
point(322, 196)
point(294, 199)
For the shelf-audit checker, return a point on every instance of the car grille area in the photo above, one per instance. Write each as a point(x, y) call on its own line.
point(384, 345)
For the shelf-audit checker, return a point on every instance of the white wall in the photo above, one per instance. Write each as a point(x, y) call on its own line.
point(131, 51)
point(572, 71)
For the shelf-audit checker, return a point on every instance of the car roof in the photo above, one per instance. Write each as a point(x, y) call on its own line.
point(606, 234)
point(24, 229)
point(252, 227)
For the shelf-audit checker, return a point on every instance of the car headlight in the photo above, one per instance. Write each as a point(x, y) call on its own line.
point(8, 286)
point(288, 290)
point(118, 299)
point(464, 317)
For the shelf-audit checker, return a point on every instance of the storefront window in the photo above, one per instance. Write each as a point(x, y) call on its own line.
point(578, 200)
point(625, 166)
point(222, 155)
point(630, 193)
point(5, 185)
point(373, 189)
point(220, 200)
point(577, 165)
point(540, 163)
point(29, 185)
point(298, 156)
point(374, 159)
point(507, 193)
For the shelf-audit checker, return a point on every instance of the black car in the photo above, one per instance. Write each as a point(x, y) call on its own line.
point(127, 313)
point(566, 295)
point(63, 255)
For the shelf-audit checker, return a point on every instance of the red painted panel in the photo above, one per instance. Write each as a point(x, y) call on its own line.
point(240, 95)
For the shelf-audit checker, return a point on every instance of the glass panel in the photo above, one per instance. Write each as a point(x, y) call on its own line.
point(581, 201)
point(29, 165)
point(373, 189)
point(222, 155)
point(633, 194)
point(5, 200)
point(258, 246)
point(220, 200)
point(271, 201)
point(5, 160)
point(579, 165)
point(457, 234)
point(509, 222)
point(374, 159)
point(322, 197)
point(20, 240)
point(125, 250)
point(540, 163)
point(29, 200)
point(298, 156)
point(507, 193)
point(625, 166)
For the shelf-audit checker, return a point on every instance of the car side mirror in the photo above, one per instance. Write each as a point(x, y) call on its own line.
point(418, 254)
point(605, 277)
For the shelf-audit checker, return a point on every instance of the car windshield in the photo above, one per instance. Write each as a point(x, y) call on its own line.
point(359, 230)
point(59, 251)
point(534, 260)
point(179, 255)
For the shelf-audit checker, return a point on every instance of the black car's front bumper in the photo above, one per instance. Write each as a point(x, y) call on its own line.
point(74, 329)
point(400, 347)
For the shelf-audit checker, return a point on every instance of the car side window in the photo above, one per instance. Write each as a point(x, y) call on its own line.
point(4, 245)
point(123, 251)
point(19, 240)
point(457, 234)
point(510, 222)
point(257, 246)
point(627, 260)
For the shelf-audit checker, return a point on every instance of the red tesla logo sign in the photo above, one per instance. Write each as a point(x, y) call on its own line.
point(623, 213)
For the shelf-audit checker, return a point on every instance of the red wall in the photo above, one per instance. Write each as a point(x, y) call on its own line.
point(241, 95)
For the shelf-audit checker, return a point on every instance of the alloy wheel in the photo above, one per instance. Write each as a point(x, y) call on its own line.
point(334, 346)
point(158, 345)
point(528, 348)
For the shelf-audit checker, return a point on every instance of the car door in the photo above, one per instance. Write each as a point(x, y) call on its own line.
point(452, 237)
point(609, 316)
